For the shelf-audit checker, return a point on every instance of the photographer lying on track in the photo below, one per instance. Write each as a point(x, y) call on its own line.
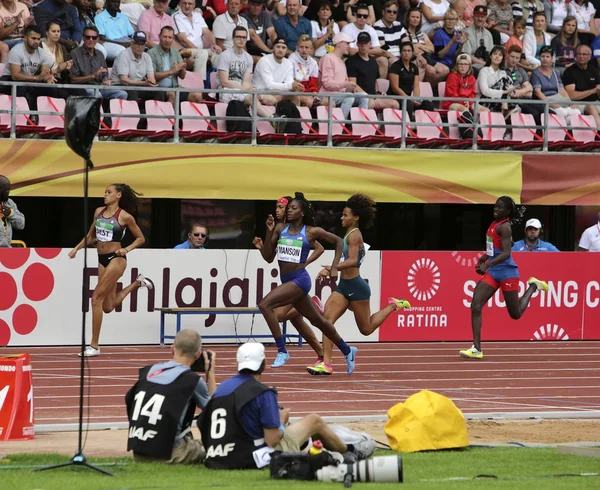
point(243, 422)
point(161, 405)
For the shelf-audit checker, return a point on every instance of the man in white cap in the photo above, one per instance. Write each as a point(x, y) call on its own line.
point(243, 423)
point(532, 242)
point(590, 238)
point(333, 76)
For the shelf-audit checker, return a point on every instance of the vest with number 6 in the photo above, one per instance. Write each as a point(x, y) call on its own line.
point(227, 444)
point(154, 412)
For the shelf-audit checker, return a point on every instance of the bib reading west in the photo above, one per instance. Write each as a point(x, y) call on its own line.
point(104, 231)
point(289, 250)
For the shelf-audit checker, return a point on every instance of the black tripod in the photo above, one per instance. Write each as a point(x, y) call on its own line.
point(79, 458)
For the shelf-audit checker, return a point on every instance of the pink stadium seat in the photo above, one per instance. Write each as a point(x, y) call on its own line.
point(309, 135)
point(557, 137)
point(492, 118)
point(426, 90)
point(192, 80)
point(307, 116)
point(24, 125)
point(361, 130)
point(52, 125)
point(430, 132)
point(584, 135)
point(526, 137)
point(453, 121)
point(265, 127)
point(125, 127)
point(337, 115)
point(200, 114)
point(221, 111)
point(160, 129)
point(395, 130)
point(213, 80)
point(383, 84)
point(441, 91)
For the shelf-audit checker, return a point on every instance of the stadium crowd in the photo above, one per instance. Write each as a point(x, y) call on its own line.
point(496, 49)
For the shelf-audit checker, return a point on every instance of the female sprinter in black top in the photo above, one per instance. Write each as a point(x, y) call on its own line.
point(292, 243)
point(499, 270)
point(358, 215)
point(111, 222)
point(289, 313)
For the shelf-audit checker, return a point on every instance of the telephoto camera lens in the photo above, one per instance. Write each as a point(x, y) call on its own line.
point(378, 469)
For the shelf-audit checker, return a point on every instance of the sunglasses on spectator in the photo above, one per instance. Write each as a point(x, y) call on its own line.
point(391, 12)
point(90, 37)
point(203, 235)
point(362, 16)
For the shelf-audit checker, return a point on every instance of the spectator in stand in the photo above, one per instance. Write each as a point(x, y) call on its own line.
point(519, 26)
point(292, 25)
point(197, 238)
point(191, 31)
point(10, 216)
point(275, 72)
point(65, 15)
point(422, 45)
point(500, 20)
point(261, 30)
point(480, 41)
point(467, 15)
point(235, 72)
point(535, 39)
point(306, 70)
point(340, 11)
point(433, 11)
point(360, 25)
point(404, 80)
point(590, 238)
point(362, 69)
point(333, 76)
point(582, 81)
point(390, 31)
point(169, 66)
point(226, 23)
point(153, 20)
point(323, 30)
point(523, 91)
point(86, 18)
point(447, 43)
point(28, 62)
point(277, 7)
point(61, 61)
point(547, 85)
point(584, 11)
point(493, 82)
point(565, 43)
point(461, 83)
point(115, 30)
point(532, 242)
point(133, 10)
point(89, 67)
point(596, 50)
point(15, 17)
point(556, 12)
point(527, 9)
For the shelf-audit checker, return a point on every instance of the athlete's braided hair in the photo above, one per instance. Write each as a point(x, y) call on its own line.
point(515, 213)
point(362, 206)
point(307, 209)
point(130, 199)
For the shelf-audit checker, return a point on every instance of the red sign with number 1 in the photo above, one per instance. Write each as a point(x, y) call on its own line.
point(16, 398)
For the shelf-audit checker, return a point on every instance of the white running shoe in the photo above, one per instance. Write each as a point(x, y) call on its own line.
point(144, 282)
point(90, 352)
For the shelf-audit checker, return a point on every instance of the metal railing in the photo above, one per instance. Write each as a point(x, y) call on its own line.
point(405, 123)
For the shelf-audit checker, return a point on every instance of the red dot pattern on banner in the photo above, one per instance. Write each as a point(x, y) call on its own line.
point(38, 282)
point(14, 258)
point(24, 319)
point(4, 333)
point(8, 291)
point(48, 253)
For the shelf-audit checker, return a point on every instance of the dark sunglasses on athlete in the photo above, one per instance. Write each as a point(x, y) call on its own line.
point(362, 16)
point(203, 235)
point(90, 37)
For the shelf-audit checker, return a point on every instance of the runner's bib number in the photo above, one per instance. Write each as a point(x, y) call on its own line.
point(489, 246)
point(289, 250)
point(104, 231)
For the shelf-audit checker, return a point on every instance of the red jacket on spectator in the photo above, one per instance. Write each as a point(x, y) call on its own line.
point(457, 86)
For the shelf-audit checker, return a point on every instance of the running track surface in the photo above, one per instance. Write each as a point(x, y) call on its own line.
point(514, 378)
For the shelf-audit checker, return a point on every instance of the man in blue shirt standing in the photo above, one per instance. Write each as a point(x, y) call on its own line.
point(532, 242)
point(292, 25)
point(197, 238)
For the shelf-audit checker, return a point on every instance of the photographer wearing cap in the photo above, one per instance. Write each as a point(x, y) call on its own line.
point(161, 405)
point(10, 216)
point(243, 422)
point(532, 242)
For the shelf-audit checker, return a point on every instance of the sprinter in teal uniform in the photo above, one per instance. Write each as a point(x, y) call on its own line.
point(292, 242)
point(353, 291)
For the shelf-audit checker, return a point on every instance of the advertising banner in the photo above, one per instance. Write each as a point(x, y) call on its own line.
point(41, 303)
point(440, 287)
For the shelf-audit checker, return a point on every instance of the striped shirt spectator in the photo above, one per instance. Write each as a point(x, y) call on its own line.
point(389, 30)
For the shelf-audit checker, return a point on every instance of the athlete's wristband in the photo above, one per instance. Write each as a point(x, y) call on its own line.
point(282, 428)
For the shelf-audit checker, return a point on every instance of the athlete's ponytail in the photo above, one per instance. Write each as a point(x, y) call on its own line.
point(515, 213)
point(362, 206)
point(307, 209)
point(130, 199)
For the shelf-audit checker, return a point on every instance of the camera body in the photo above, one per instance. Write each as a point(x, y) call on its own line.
point(377, 469)
point(199, 366)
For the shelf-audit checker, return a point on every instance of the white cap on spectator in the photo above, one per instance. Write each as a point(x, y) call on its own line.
point(533, 223)
point(341, 37)
point(250, 356)
point(464, 57)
